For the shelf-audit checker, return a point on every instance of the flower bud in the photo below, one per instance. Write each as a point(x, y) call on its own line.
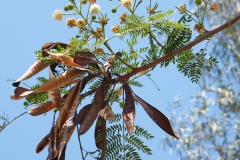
point(198, 2)
point(182, 9)
point(114, 10)
point(70, 7)
point(66, 8)
point(83, 1)
point(93, 17)
point(214, 7)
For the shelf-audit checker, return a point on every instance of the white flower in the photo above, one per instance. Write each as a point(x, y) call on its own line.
point(95, 9)
point(57, 15)
point(126, 3)
point(182, 9)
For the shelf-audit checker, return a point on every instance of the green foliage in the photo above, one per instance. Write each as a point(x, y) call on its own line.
point(190, 64)
point(143, 133)
point(37, 98)
point(122, 146)
point(135, 83)
point(95, 84)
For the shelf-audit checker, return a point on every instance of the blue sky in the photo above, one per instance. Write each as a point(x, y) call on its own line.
point(25, 27)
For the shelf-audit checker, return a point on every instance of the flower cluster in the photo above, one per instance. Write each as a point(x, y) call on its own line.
point(115, 28)
point(103, 21)
point(182, 9)
point(123, 18)
point(95, 9)
point(199, 28)
point(151, 11)
point(80, 23)
point(99, 51)
point(214, 7)
point(126, 3)
point(57, 15)
point(71, 22)
point(98, 33)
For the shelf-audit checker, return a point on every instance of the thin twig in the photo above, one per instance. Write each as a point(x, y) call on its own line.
point(80, 144)
point(155, 39)
point(13, 120)
point(124, 154)
point(153, 82)
point(124, 62)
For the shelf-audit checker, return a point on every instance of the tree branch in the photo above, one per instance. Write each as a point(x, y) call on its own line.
point(13, 120)
point(168, 55)
point(177, 51)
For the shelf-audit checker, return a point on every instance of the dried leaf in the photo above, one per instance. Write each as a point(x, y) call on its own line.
point(65, 135)
point(52, 150)
point(69, 107)
point(62, 157)
point(43, 143)
point(158, 117)
point(107, 113)
point(100, 135)
point(32, 70)
point(70, 132)
point(56, 82)
point(85, 81)
point(83, 58)
point(15, 97)
point(129, 109)
point(75, 81)
point(98, 103)
point(21, 92)
point(63, 59)
point(60, 80)
point(130, 126)
point(82, 114)
point(62, 139)
point(51, 45)
point(107, 65)
point(55, 95)
point(42, 108)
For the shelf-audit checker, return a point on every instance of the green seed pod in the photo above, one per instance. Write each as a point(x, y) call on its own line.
point(114, 10)
point(84, 1)
point(66, 8)
point(70, 7)
point(93, 17)
point(198, 2)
